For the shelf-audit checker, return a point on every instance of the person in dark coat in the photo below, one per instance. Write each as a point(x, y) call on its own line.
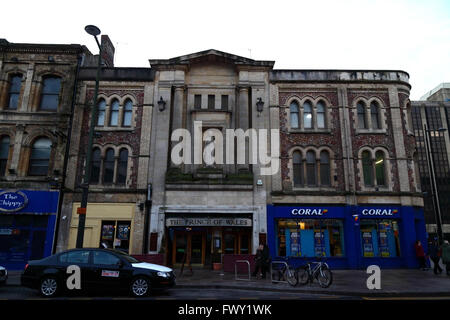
point(435, 256)
point(259, 261)
point(420, 255)
point(265, 261)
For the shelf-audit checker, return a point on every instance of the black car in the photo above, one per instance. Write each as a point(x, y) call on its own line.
point(104, 269)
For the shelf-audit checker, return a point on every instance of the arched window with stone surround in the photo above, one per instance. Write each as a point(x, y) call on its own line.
point(325, 173)
point(108, 167)
point(321, 116)
point(297, 168)
point(101, 112)
point(4, 154)
point(311, 168)
point(114, 113)
point(122, 166)
point(380, 173)
point(40, 157)
point(294, 114)
point(96, 163)
point(367, 168)
point(361, 111)
point(127, 113)
point(15, 85)
point(375, 115)
point(307, 115)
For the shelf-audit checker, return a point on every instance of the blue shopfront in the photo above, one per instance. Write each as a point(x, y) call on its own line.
point(27, 225)
point(347, 237)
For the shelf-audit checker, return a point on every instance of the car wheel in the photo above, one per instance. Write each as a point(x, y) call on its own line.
point(140, 287)
point(49, 287)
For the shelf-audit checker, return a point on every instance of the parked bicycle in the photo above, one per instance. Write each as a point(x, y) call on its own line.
point(284, 272)
point(315, 270)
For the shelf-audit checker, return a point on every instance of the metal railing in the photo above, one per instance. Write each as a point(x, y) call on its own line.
point(236, 273)
point(278, 271)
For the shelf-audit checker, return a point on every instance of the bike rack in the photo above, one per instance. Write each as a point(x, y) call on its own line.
point(271, 270)
point(235, 270)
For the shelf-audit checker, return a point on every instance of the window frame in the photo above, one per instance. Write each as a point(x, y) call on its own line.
point(51, 94)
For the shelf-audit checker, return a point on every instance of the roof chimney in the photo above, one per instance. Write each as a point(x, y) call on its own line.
point(107, 51)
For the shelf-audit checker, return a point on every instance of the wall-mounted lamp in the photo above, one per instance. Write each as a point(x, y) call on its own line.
point(161, 104)
point(259, 105)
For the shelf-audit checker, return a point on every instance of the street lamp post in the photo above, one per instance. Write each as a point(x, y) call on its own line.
point(93, 31)
point(433, 184)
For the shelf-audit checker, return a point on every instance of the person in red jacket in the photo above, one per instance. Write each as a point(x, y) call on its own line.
point(420, 254)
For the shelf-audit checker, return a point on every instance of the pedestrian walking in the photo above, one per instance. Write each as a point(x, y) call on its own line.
point(259, 261)
point(446, 256)
point(420, 254)
point(435, 255)
point(266, 261)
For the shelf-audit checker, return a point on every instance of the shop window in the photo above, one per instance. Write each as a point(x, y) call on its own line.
point(298, 168)
point(122, 166)
point(114, 113)
point(14, 91)
point(307, 115)
point(380, 238)
point(96, 162)
point(361, 110)
point(116, 235)
point(311, 168)
point(101, 113)
point(321, 115)
point(4, 154)
point(310, 238)
point(294, 111)
point(127, 113)
point(50, 93)
point(108, 167)
point(367, 168)
point(40, 157)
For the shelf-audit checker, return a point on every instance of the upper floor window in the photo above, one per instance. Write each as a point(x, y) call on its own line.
point(367, 168)
point(108, 167)
point(114, 113)
point(311, 171)
point(224, 102)
point(311, 168)
point(50, 93)
point(40, 157)
point(96, 163)
point(375, 115)
point(379, 168)
point(307, 115)
point(4, 154)
point(211, 101)
point(127, 113)
point(374, 169)
point(14, 91)
point(198, 101)
point(321, 115)
point(122, 166)
point(361, 110)
point(294, 110)
point(101, 112)
point(298, 168)
point(325, 168)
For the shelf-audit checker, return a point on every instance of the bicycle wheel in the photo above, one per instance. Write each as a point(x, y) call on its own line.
point(325, 277)
point(303, 275)
point(291, 277)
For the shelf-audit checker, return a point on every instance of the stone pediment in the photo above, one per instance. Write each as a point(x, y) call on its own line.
point(211, 55)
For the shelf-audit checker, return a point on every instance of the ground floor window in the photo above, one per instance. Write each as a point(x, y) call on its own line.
point(380, 238)
point(115, 234)
point(310, 238)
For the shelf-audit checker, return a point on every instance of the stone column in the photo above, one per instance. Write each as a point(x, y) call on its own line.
point(27, 91)
point(17, 149)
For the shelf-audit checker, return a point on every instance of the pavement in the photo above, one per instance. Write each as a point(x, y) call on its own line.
point(394, 282)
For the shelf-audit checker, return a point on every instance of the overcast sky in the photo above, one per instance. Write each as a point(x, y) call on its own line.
point(413, 36)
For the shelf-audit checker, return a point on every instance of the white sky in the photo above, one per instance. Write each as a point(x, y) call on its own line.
point(413, 36)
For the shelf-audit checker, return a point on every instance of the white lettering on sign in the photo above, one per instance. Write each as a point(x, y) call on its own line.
point(111, 274)
point(208, 222)
point(379, 212)
point(309, 212)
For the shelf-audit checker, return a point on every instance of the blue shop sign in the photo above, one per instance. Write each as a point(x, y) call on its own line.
point(379, 212)
point(12, 201)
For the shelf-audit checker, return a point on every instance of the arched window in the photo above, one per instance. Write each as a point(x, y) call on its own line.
point(40, 157)
point(101, 112)
point(14, 91)
point(4, 154)
point(361, 110)
point(325, 169)
point(127, 113)
point(122, 166)
point(114, 115)
point(375, 115)
point(311, 168)
point(367, 168)
point(307, 115)
point(297, 168)
point(108, 167)
point(50, 93)
point(321, 115)
point(380, 168)
point(294, 114)
point(96, 162)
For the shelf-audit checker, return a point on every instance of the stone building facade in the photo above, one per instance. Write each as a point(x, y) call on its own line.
point(36, 102)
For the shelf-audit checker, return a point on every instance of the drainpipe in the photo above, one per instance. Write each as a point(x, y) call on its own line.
point(66, 157)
